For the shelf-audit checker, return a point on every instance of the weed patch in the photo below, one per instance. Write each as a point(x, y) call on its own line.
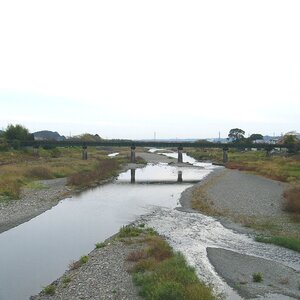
point(39, 172)
point(100, 245)
point(137, 255)
point(162, 274)
point(49, 290)
point(103, 170)
point(77, 264)
point(257, 277)
point(129, 231)
point(171, 279)
point(292, 200)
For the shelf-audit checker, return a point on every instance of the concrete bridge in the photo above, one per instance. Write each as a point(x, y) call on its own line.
point(154, 144)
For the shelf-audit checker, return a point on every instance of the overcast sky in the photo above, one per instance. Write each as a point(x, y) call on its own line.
point(127, 69)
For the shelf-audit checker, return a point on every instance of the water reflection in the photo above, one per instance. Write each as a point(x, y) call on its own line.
point(163, 174)
point(179, 179)
point(132, 174)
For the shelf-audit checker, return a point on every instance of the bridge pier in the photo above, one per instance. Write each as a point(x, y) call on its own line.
point(225, 155)
point(180, 148)
point(84, 152)
point(179, 178)
point(36, 150)
point(132, 175)
point(132, 156)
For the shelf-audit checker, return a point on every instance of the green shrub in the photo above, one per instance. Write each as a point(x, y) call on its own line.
point(257, 277)
point(49, 290)
point(171, 278)
point(84, 259)
point(129, 231)
point(101, 245)
point(169, 290)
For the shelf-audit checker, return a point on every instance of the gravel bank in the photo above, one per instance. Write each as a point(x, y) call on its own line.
point(237, 269)
point(104, 276)
point(247, 194)
point(241, 193)
point(32, 203)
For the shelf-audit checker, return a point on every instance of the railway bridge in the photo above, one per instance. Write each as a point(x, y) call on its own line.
point(155, 144)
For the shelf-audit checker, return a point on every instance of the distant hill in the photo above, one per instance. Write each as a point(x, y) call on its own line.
point(48, 135)
point(86, 137)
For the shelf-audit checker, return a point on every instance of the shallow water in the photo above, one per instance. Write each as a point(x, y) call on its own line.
point(193, 233)
point(39, 251)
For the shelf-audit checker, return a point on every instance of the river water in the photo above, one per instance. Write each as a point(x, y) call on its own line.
point(37, 252)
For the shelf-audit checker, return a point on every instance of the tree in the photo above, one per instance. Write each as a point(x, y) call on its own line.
point(255, 136)
point(292, 142)
point(17, 132)
point(236, 134)
point(290, 139)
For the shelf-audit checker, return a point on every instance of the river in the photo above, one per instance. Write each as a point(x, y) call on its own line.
point(37, 252)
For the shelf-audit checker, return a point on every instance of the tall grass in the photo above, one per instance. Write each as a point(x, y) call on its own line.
point(103, 170)
point(292, 200)
point(18, 168)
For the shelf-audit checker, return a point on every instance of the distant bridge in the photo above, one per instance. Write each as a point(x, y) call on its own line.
point(154, 144)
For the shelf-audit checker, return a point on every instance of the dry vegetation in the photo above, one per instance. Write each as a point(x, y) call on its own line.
point(22, 167)
point(292, 200)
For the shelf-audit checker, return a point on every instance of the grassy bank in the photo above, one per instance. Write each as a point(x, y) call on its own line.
point(161, 273)
point(284, 168)
point(158, 272)
point(23, 167)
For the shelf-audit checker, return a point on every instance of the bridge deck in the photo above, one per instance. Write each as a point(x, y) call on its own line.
point(155, 144)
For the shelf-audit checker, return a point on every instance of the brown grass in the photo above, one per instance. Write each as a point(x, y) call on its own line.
point(39, 172)
point(103, 170)
point(159, 248)
point(74, 265)
point(19, 168)
point(292, 200)
point(270, 173)
point(137, 255)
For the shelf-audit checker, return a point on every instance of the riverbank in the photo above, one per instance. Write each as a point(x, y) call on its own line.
point(33, 201)
point(249, 204)
point(103, 276)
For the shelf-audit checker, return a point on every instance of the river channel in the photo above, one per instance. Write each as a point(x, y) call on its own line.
point(37, 252)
